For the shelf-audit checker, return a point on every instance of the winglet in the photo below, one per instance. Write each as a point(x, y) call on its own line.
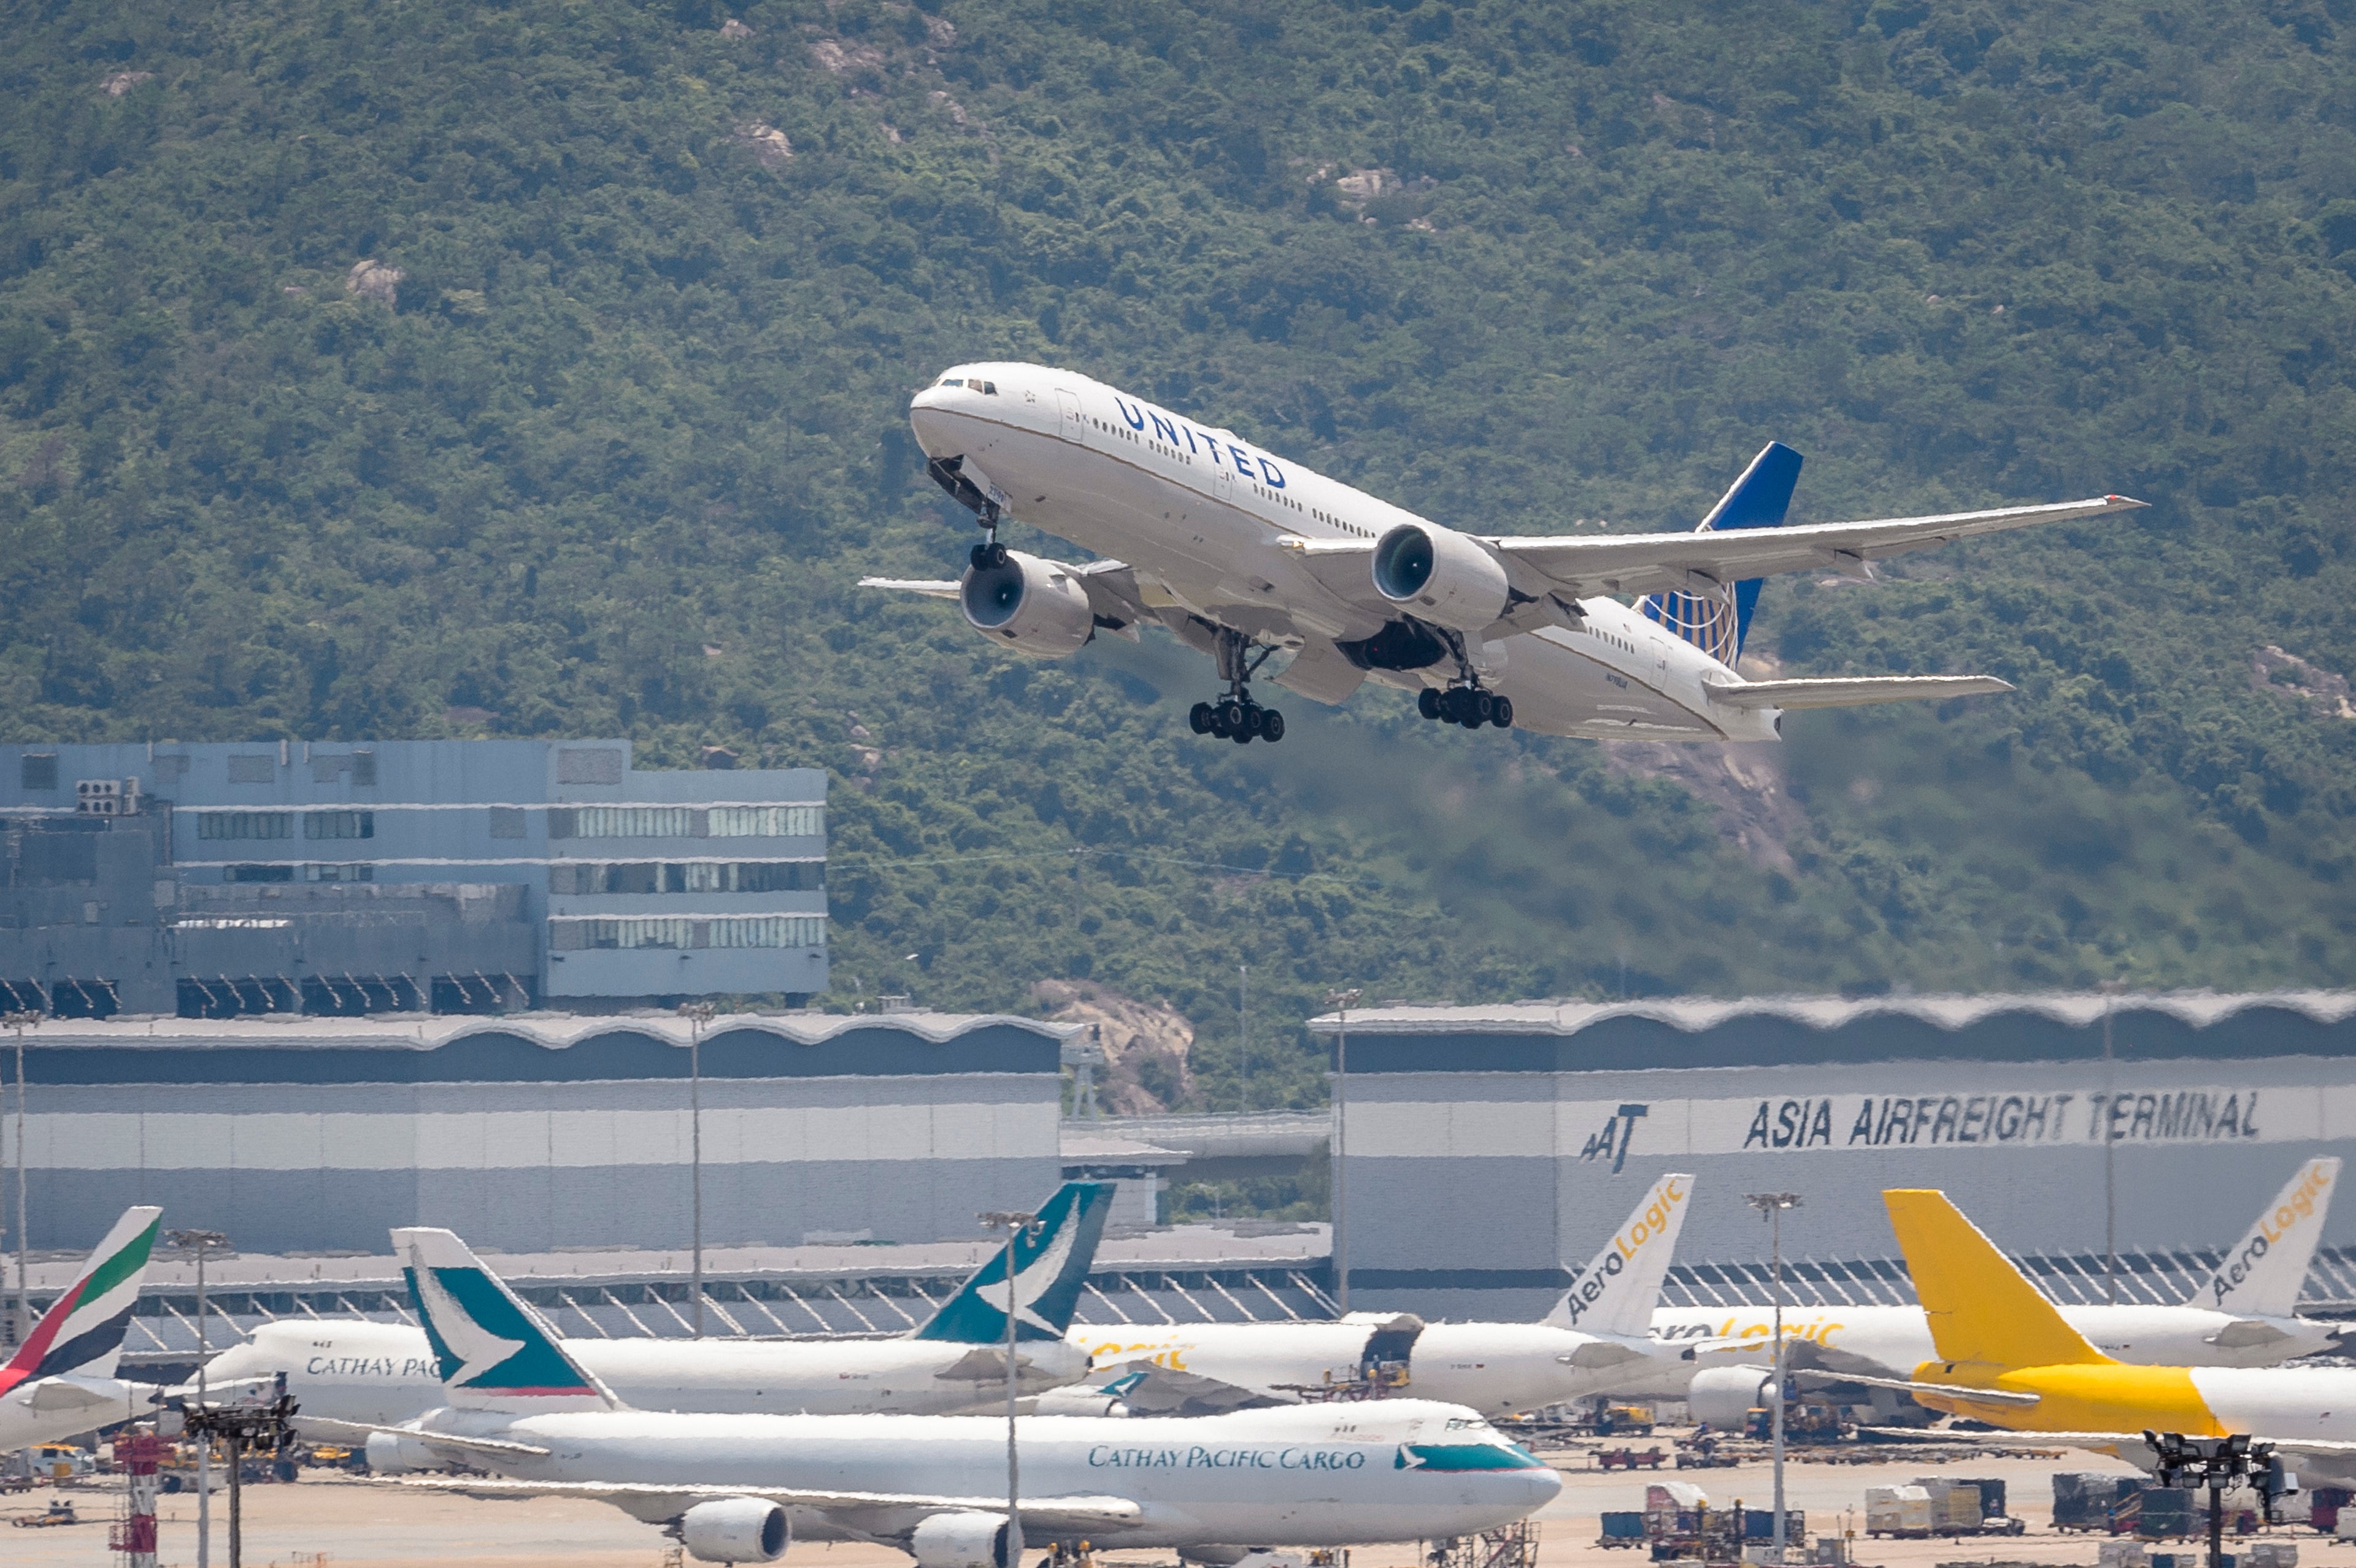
point(2262, 1276)
point(1982, 1309)
point(1049, 1269)
point(1618, 1290)
point(83, 1330)
point(494, 1352)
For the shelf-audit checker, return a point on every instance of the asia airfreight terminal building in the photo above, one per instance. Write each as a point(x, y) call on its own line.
point(441, 876)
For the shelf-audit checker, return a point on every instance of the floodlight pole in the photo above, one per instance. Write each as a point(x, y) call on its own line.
point(1016, 1223)
point(1771, 1207)
point(20, 1021)
point(2110, 1151)
point(1341, 1001)
point(697, 1015)
point(200, 1242)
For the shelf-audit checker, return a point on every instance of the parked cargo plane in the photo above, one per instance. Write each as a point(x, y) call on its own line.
point(2245, 1314)
point(385, 1371)
point(1243, 555)
point(2006, 1357)
point(61, 1380)
point(736, 1488)
point(1595, 1332)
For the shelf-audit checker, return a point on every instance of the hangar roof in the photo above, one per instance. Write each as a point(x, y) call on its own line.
point(1696, 1031)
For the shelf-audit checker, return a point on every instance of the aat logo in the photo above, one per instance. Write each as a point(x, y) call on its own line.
point(1611, 1140)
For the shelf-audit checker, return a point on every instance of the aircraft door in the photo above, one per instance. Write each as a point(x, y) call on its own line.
point(1223, 481)
point(1073, 425)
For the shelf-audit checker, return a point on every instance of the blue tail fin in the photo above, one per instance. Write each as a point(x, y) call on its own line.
point(1049, 1269)
point(1717, 621)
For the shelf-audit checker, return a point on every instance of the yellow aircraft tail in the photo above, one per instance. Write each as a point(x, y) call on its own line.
point(1982, 1309)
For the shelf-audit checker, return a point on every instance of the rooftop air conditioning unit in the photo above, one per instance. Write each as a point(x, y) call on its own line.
point(106, 797)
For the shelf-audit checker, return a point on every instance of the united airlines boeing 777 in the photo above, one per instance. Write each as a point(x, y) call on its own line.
point(1243, 556)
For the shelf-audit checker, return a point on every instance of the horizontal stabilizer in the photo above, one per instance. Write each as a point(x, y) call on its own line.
point(1853, 692)
point(932, 588)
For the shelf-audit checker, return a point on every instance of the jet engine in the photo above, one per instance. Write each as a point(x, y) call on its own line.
point(1037, 606)
point(735, 1530)
point(398, 1453)
point(959, 1540)
point(1439, 575)
point(1724, 1397)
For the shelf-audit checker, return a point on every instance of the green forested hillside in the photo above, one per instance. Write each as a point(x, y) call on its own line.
point(607, 453)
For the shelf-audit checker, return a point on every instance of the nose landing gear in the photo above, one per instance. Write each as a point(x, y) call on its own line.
point(1468, 706)
point(1235, 717)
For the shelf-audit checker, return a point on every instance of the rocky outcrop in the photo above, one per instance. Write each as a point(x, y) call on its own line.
point(1147, 1045)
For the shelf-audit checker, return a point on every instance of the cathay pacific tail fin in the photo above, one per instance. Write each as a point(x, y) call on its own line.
point(491, 1349)
point(2262, 1276)
point(1050, 1266)
point(1620, 1286)
point(83, 1330)
point(1983, 1310)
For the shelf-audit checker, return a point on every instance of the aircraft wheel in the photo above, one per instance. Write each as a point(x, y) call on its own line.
point(1502, 714)
point(1198, 717)
point(1427, 703)
point(1271, 726)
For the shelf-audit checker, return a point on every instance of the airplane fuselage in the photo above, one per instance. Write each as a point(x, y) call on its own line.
point(1492, 1367)
point(1890, 1341)
point(385, 1371)
point(1327, 1475)
point(1203, 514)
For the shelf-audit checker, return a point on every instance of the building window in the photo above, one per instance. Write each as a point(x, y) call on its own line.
point(364, 768)
point(506, 822)
point(689, 877)
point(261, 873)
point(38, 770)
point(767, 821)
point(568, 936)
point(246, 825)
point(338, 872)
point(340, 825)
point(262, 769)
point(624, 822)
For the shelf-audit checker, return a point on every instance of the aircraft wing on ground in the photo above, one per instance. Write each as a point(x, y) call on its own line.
point(2321, 1456)
point(859, 1510)
point(1587, 565)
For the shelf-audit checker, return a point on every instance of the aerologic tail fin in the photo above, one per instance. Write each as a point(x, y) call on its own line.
point(1982, 1309)
point(2262, 1276)
point(83, 1330)
point(1716, 619)
point(1620, 1286)
point(492, 1351)
point(1049, 1269)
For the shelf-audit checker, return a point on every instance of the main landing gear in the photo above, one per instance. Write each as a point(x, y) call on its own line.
point(1466, 705)
point(1235, 717)
point(989, 555)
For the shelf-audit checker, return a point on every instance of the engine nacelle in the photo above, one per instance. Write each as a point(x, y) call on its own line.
point(398, 1453)
point(959, 1540)
point(1724, 1397)
point(735, 1530)
point(1036, 606)
point(1438, 574)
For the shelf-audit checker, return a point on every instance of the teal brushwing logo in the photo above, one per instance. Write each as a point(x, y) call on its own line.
point(1049, 1270)
point(481, 1341)
point(1457, 1456)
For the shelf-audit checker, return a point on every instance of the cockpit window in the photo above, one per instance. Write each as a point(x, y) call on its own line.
point(953, 380)
point(988, 389)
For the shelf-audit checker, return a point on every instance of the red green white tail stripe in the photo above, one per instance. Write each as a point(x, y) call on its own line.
point(82, 1332)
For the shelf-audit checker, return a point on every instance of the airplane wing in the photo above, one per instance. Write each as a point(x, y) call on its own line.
point(486, 1447)
point(2336, 1454)
point(1956, 1392)
point(646, 1501)
point(1854, 691)
point(1110, 585)
point(930, 587)
point(1586, 565)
